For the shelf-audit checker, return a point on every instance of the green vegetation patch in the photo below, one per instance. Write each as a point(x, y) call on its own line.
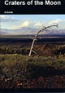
point(17, 66)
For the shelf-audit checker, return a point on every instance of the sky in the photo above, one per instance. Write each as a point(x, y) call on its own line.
point(13, 22)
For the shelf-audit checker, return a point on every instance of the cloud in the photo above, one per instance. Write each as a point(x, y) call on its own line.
point(28, 23)
point(57, 21)
point(63, 26)
point(38, 24)
point(2, 16)
point(5, 18)
point(25, 23)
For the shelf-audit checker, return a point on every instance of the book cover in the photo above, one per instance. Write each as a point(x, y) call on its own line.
point(32, 45)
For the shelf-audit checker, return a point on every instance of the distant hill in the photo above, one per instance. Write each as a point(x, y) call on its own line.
point(30, 30)
point(3, 33)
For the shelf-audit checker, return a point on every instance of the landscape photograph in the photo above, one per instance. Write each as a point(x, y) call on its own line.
point(32, 51)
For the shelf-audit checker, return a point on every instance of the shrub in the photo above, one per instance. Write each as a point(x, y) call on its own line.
point(17, 66)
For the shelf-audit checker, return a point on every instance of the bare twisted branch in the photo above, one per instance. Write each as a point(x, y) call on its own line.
point(34, 39)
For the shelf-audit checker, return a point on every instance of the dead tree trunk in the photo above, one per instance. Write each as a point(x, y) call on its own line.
point(34, 39)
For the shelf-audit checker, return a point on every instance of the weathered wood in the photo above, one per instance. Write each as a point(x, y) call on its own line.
point(34, 39)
